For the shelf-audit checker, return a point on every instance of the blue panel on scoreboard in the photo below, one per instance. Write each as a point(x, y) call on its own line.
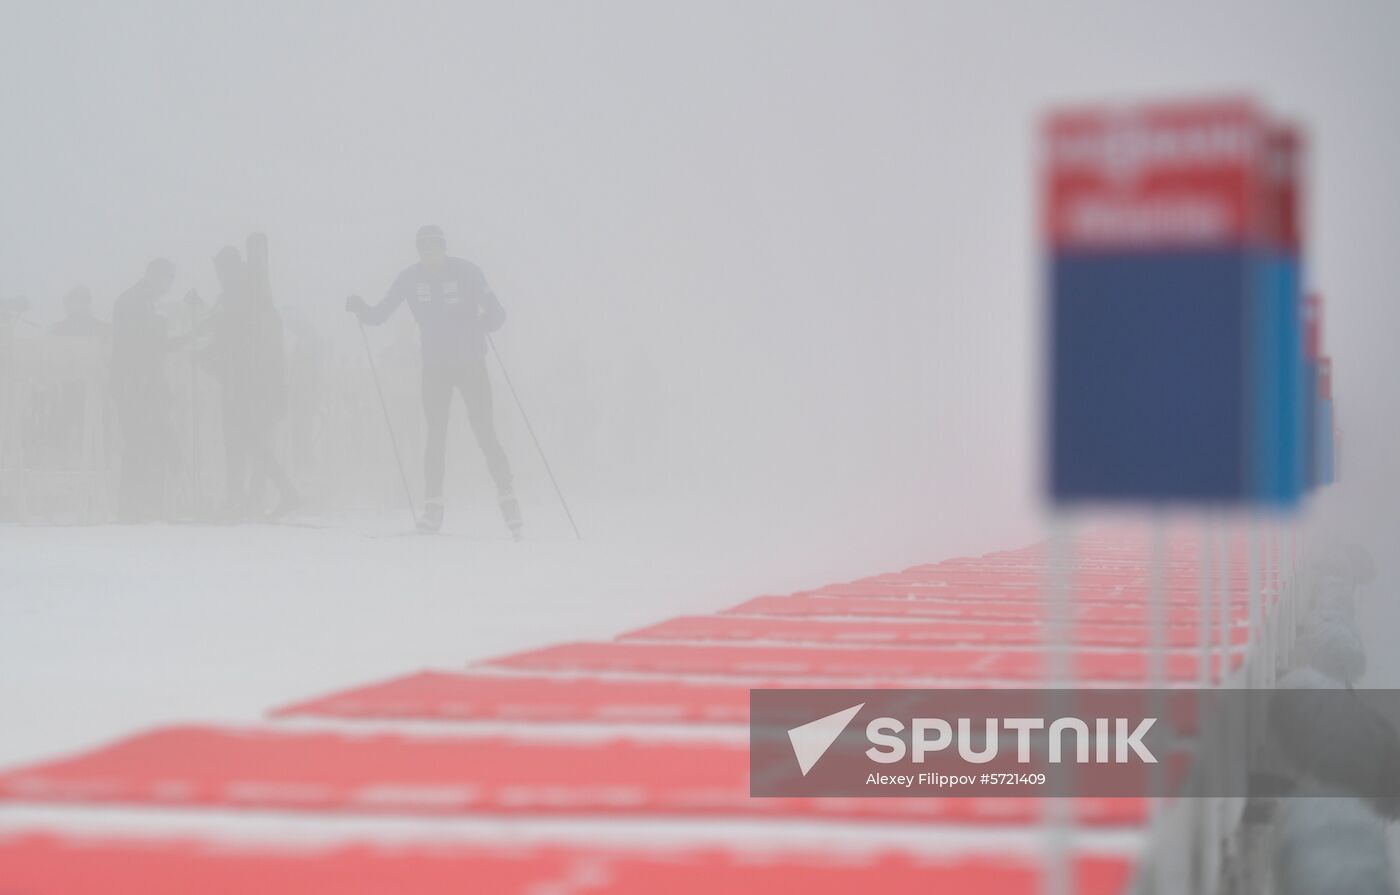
point(1275, 448)
point(1148, 377)
point(1290, 383)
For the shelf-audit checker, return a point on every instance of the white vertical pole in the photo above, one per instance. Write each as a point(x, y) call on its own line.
point(1225, 600)
point(1058, 818)
point(1256, 610)
point(1222, 671)
point(1206, 563)
point(1157, 603)
point(1163, 875)
point(1157, 636)
point(1206, 834)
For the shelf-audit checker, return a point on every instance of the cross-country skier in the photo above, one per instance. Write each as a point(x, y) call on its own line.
point(455, 310)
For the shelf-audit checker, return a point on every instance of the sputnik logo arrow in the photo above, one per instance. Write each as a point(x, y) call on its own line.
point(811, 740)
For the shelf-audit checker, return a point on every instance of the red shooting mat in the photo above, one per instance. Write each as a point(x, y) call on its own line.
point(781, 662)
point(1180, 559)
point(969, 610)
point(453, 696)
point(203, 767)
point(1137, 572)
point(48, 865)
point(1182, 555)
point(446, 696)
point(907, 633)
point(1005, 593)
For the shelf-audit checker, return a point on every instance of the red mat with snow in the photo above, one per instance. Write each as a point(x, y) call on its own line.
point(47, 865)
point(913, 666)
point(968, 610)
point(967, 622)
point(910, 633)
point(455, 696)
point(445, 695)
point(393, 774)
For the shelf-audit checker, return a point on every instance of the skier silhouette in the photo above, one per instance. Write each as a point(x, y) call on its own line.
point(455, 310)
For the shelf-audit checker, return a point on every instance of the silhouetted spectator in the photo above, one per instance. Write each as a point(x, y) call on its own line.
point(245, 356)
point(140, 342)
point(78, 321)
point(267, 386)
point(83, 335)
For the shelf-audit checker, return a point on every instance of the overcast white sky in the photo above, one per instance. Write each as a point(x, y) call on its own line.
point(799, 235)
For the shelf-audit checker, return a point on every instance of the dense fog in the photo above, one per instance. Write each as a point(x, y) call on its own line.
point(770, 258)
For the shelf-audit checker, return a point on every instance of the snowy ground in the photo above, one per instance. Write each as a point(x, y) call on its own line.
point(111, 629)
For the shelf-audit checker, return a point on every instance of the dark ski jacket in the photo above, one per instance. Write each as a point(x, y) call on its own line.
point(453, 306)
point(246, 355)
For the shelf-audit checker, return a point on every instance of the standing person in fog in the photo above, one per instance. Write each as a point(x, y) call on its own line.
point(227, 360)
point(140, 341)
point(84, 335)
point(268, 384)
point(245, 356)
point(455, 310)
point(78, 321)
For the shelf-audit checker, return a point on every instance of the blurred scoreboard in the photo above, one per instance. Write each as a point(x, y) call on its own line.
point(1177, 363)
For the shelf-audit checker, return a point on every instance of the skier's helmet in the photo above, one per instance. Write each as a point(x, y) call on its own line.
point(431, 243)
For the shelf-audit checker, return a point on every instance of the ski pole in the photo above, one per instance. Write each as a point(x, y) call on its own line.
point(194, 433)
point(388, 424)
point(531, 429)
point(196, 306)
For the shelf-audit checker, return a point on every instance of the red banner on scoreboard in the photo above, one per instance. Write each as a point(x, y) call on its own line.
point(1186, 175)
point(1280, 212)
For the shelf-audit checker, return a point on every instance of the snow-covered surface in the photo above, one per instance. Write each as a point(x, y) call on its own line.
point(108, 630)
